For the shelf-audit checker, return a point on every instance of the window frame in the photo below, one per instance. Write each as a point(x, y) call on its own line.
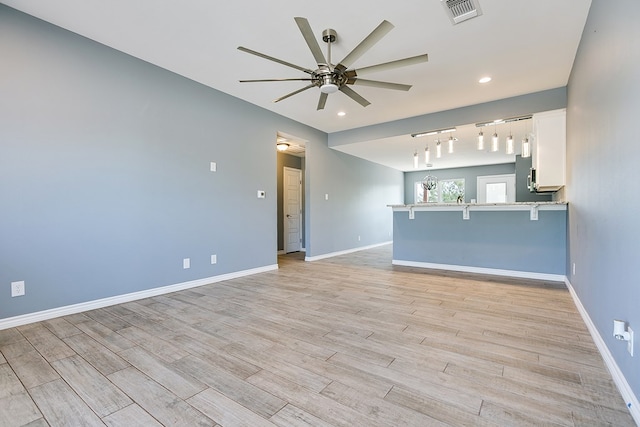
point(418, 192)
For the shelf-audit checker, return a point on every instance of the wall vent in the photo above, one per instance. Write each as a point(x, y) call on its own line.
point(461, 10)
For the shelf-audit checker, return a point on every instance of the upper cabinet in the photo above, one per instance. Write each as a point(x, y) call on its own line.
point(549, 149)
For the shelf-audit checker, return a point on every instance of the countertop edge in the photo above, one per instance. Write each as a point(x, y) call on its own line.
point(518, 206)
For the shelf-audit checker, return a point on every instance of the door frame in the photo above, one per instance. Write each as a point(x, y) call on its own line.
point(285, 225)
point(483, 180)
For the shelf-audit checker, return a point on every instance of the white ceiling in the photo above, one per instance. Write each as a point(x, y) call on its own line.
point(524, 45)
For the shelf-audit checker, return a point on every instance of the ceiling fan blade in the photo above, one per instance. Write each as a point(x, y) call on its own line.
point(307, 33)
point(271, 58)
point(389, 65)
point(375, 83)
point(295, 92)
point(322, 101)
point(275, 80)
point(374, 37)
point(354, 95)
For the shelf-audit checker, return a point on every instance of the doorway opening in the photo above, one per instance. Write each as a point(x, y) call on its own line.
point(292, 209)
point(291, 196)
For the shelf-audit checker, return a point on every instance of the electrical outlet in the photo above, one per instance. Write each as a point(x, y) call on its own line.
point(630, 342)
point(186, 263)
point(261, 194)
point(213, 167)
point(214, 259)
point(17, 289)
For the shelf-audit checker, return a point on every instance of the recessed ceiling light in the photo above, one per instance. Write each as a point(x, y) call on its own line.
point(342, 113)
point(485, 80)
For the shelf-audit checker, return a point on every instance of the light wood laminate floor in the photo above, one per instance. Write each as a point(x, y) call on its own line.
point(346, 341)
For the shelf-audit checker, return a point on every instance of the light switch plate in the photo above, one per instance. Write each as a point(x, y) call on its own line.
point(213, 167)
point(630, 342)
point(186, 263)
point(214, 259)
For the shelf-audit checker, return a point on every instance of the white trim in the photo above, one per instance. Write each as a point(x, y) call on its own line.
point(348, 251)
point(618, 377)
point(39, 316)
point(285, 205)
point(482, 270)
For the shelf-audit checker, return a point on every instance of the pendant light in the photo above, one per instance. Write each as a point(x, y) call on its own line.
point(415, 160)
point(450, 145)
point(438, 149)
point(427, 155)
point(509, 149)
point(494, 140)
point(481, 141)
point(526, 147)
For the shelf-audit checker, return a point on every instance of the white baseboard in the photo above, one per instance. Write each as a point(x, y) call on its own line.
point(348, 251)
point(481, 270)
point(618, 377)
point(39, 316)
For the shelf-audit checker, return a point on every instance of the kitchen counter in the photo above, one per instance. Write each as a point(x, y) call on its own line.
point(512, 239)
point(518, 206)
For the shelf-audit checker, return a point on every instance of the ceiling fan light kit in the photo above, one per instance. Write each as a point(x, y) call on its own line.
point(329, 87)
point(330, 78)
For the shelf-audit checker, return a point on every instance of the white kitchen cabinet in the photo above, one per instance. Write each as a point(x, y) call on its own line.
point(549, 149)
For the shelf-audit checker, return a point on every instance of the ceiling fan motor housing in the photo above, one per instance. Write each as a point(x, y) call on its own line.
point(329, 81)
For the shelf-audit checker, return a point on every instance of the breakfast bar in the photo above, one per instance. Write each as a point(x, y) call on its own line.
point(526, 240)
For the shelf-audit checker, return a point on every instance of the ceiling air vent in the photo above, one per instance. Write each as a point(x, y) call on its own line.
point(461, 10)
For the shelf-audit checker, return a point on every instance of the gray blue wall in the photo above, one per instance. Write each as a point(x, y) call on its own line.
point(470, 175)
point(356, 189)
point(603, 149)
point(105, 181)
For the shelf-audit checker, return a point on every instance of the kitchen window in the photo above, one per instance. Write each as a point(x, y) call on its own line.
point(447, 191)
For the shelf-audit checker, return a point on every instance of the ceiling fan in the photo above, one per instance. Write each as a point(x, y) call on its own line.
point(331, 78)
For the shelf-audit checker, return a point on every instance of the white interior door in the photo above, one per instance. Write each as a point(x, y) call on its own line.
point(292, 209)
point(497, 188)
